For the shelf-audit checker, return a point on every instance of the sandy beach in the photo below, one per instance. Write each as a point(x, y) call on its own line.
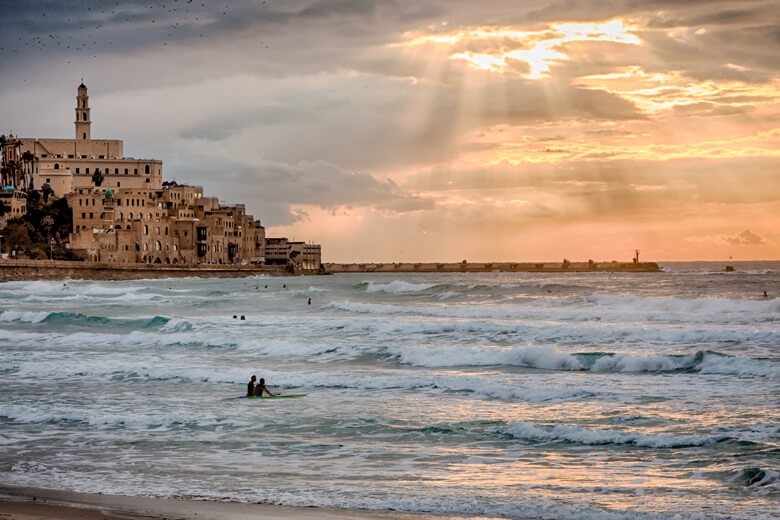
point(25, 503)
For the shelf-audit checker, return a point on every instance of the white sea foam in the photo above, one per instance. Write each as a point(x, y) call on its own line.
point(397, 287)
point(564, 433)
point(24, 316)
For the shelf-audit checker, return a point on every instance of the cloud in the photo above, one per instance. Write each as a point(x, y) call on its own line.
point(272, 190)
point(745, 238)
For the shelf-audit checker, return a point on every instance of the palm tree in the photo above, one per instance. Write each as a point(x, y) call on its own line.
point(28, 162)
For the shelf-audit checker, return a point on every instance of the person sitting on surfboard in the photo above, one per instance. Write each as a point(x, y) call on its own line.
point(250, 387)
point(260, 388)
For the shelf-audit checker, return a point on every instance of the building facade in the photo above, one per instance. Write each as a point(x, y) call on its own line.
point(123, 212)
point(69, 164)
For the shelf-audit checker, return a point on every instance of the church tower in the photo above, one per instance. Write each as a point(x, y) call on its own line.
point(83, 123)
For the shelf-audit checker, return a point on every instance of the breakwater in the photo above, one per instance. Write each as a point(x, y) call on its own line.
point(486, 267)
point(11, 270)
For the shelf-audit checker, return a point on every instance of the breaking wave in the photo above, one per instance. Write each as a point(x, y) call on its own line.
point(703, 361)
point(74, 318)
point(571, 434)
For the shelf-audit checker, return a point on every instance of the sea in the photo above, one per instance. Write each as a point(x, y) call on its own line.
point(500, 395)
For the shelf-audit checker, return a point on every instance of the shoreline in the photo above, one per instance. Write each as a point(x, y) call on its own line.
point(29, 503)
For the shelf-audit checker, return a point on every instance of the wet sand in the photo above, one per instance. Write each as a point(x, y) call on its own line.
point(24, 503)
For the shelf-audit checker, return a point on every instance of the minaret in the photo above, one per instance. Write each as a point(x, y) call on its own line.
point(82, 114)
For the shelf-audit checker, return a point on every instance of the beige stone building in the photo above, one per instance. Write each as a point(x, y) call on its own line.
point(132, 216)
point(14, 204)
point(69, 164)
point(175, 224)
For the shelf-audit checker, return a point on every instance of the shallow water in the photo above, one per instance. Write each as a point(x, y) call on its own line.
point(593, 395)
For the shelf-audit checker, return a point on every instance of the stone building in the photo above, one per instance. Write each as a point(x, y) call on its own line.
point(69, 164)
point(172, 225)
point(123, 212)
point(14, 204)
point(299, 255)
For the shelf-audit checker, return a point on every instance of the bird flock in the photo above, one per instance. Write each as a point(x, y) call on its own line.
point(76, 30)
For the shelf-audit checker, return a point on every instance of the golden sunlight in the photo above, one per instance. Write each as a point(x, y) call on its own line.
point(496, 48)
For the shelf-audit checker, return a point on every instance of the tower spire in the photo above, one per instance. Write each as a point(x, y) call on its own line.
point(83, 123)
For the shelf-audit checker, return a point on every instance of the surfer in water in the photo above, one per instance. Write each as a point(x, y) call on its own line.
point(260, 388)
point(250, 387)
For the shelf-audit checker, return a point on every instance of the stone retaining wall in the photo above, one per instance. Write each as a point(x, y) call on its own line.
point(11, 270)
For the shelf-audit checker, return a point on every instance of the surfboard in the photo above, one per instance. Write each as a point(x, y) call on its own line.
point(277, 396)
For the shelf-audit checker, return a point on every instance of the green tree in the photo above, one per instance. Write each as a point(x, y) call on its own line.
point(97, 178)
point(47, 192)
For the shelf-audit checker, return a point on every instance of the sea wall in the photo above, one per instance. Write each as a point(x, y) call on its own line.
point(11, 270)
point(486, 267)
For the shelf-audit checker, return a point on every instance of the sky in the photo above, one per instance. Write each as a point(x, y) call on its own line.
point(433, 130)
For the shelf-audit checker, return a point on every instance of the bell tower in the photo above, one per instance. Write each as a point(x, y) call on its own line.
point(83, 123)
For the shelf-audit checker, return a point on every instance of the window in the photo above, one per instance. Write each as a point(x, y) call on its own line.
point(56, 167)
point(78, 170)
point(157, 246)
point(146, 231)
point(126, 170)
point(84, 135)
point(119, 216)
point(91, 215)
point(157, 230)
point(80, 202)
point(48, 179)
point(166, 230)
point(87, 171)
point(135, 171)
point(118, 184)
point(146, 169)
point(84, 117)
point(70, 156)
point(116, 171)
point(83, 215)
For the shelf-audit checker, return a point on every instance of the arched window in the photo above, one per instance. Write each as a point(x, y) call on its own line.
point(146, 246)
point(157, 230)
point(56, 166)
point(146, 231)
point(119, 216)
point(157, 246)
point(84, 135)
point(175, 247)
point(146, 169)
point(84, 115)
point(137, 246)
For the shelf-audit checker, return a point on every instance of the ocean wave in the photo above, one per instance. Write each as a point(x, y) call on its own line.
point(706, 362)
point(599, 308)
point(572, 434)
point(396, 287)
point(74, 318)
point(107, 418)
point(757, 478)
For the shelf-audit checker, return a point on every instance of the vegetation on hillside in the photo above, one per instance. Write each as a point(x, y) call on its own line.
point(31, 235)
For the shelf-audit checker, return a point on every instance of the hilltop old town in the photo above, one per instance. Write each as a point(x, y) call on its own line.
point(121, 211)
